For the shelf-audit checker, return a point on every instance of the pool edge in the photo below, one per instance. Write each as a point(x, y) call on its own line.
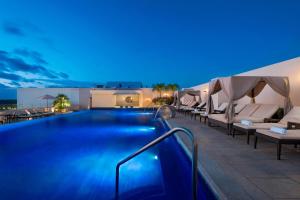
point(212, 185)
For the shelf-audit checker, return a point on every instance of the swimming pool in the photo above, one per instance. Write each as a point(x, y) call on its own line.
point(74, 156)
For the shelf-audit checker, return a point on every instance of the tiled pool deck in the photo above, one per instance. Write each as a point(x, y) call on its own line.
point(239, 170)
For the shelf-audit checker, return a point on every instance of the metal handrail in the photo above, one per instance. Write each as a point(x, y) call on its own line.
point(156, 141)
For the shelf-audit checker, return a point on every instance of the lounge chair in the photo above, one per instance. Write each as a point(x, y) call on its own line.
point(188, 108)
point(253, 112)
point(292, 116)
point(290, 137)
point(198, 110)
point(220, 119)
point(23, 114)
point(191, 106)
point(219, 110)
point(239, 107)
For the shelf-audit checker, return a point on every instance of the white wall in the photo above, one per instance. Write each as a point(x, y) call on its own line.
point(146, 97)
point(103, 98)
point(203, 88)
point(31, 97)
point(84, 98)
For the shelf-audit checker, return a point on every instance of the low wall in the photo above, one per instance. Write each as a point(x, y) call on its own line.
point(31, 97)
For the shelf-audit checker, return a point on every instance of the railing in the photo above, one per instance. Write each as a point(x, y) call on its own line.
point(156, 141)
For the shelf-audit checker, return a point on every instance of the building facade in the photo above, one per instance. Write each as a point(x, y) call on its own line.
point(86, 98)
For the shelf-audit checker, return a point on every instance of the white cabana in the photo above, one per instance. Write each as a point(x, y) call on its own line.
point(236, 87)
point(178, 95)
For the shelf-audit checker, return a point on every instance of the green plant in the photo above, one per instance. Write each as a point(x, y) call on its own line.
point(163, 100)
point(159, 88)
point(172, 87)
point(61, 103)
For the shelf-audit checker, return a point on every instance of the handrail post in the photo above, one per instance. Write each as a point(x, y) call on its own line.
point(156, 141)
point(117, 181)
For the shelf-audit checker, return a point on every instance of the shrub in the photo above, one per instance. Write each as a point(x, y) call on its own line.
point(61, 103)
point(163, 100)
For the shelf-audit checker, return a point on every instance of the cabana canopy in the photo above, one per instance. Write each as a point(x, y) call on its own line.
point(236, 87)
point(179, 94)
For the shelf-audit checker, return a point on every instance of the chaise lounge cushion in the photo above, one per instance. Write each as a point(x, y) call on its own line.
point(290, 135)
point(265, 111)
point(292, 116)
point(239, 107)
point(218, 117)
point(222, 107)
point(260, 125)
point(248, 110)
point(262, 112)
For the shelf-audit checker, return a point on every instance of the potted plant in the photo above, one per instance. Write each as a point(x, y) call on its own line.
point(61, 103)
point(168, 99)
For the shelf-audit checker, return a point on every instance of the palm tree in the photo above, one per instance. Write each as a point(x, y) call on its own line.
point(61, 103)
point(159, 88)
point(172, 87)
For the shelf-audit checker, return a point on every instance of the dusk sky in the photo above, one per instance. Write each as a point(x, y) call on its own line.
point(78, 43)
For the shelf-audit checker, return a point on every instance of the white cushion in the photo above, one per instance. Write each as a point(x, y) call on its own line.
point(266, 126)
point(265, 111)
point(290, 134)
point(218, 117)
point(292, 116)
point(248, 110)
point(222, 107)
point(239, 107)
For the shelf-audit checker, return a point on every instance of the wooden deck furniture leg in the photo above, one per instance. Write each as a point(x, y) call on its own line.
point(233, 132)
point(248, 138)
point(255, 142)
point(278, 150)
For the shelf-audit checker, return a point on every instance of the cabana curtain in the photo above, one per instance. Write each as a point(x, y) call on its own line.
point(187, 99)
point(236, 87)
point(213, 87)
point(180, 94)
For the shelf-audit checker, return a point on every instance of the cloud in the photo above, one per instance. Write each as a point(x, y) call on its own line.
point(10, 76)
point(68, 83)
point(13, 63)
point(13, 29)
point(34, 55)
point(23, 28)
point(64, 75)
point(2, 85)
point(16, 71)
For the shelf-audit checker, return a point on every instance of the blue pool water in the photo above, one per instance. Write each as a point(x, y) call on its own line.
point(74, 157)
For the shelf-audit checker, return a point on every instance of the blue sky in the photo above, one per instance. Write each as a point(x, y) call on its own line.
point(59, 42)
